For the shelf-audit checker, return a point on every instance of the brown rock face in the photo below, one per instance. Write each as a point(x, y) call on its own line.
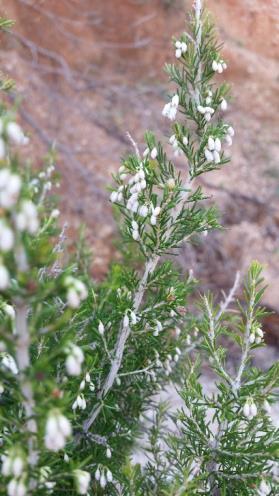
point(90, 70)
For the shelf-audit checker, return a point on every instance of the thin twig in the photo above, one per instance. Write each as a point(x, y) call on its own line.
point(229, 298)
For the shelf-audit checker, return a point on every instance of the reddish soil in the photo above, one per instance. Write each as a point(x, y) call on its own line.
point(90, 70)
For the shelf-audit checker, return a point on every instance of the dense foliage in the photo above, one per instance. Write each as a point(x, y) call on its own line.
point(81, 362)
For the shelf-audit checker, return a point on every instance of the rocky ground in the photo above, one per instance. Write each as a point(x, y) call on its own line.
point(89, 71)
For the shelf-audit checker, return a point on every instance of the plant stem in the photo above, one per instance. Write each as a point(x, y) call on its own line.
point(151, 264)
point(23, 362)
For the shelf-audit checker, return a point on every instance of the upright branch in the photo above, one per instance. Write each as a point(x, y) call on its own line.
point(172, 206)
point(228, 436)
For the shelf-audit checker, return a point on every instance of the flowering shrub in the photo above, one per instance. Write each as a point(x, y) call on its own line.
point(81, 363)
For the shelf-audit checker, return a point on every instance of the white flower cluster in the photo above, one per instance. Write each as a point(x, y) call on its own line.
point(175, 144)
point(178, 353)
point(219, 66)
point(264, 488)
point(27, 218)
point(224, 104)
point(117, 196)
point(135, 230)
point(154, 215)
point(45, 177)
point(229, 135)
point(9, 310)
point(58, 429)
point(137, 185)
point(17, 487)
point(8, 361)
point(212, 152)
point(76, 291)
point(82, 480)
point(170, 109)
point(136, 201)
point(129, 318)
point(87, 380)
point(10, 185)
point(256, 336)
point(13, 463)
point(250, 410)
point(14, 134)
point(168, 364)
point(103, 476)
point(158, 328)
point(206, 111)
point(181, 47)
point(74, 359)
point(80, 402)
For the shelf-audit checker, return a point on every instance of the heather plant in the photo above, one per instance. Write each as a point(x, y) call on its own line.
point(81, 363)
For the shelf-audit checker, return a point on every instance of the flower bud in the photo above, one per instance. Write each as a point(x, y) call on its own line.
point(246, 409)
point(252, 338)
point(215, 65)
point(217, 145)
point(9, 310)
point(103, 481)
point(224, 104)
point(58, 428)
point(101, 328)
point(74, 360)
point(211, 143)
point(156, 211)
point(216, 156)
point(16, 488)
point(153, 220)
point(143, 211)
point(4, 278)
point(135, 235)
point(178, 53)
point(264, 488)
point(6, 238)
point(133, 317)
point(208, 155)
point(126, 321)
point(82, 480)
point(16, 135)
point(154, 153)
point(113, 196)
point(109, 476)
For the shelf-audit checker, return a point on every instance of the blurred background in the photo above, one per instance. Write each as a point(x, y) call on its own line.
point(88, 71)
